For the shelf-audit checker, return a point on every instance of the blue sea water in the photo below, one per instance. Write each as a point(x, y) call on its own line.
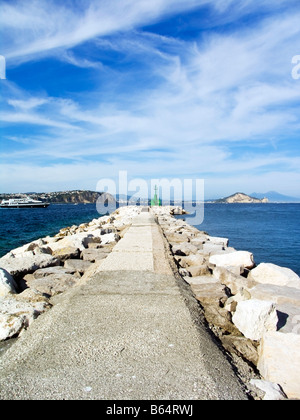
point(20, 226)
point(270, 231)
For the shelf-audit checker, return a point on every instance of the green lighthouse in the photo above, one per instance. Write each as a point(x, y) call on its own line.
point(155, 201)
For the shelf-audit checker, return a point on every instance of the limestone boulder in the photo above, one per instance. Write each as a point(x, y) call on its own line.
point(79, 266)
point(235, 259)
point(10, 325)
point(279, 361)
point(211, 248)
point(230, 276)
point(218, 241)
point(53, 284)
point(274, 274)
point(277, 294)
point(30, 247)
point(254, 317)
point(184, 249)
point(73, 241)
point(208, 293)
point(93, 254)
point(57, 270)
point(201, 280)
point(38, 300)
point(66, 252)
point(27, 263)
point(288, 318)
point(272, 392)
point(7, 283)
point(198, 270)
point(198, 242)
point(18, 312)
point(191, 260)
point(109, 238)
point(175, 238)
point(92, 238)
point(43, 250)
point(232, 302)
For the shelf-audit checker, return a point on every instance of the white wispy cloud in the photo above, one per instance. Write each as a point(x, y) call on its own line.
point(39, 26)
point(49, 25)
point(203, 102)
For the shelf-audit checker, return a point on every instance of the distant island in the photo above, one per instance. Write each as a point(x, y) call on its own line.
point(241, 198)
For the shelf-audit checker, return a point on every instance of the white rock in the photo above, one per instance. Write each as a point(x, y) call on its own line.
point(10, 325)
point(201, 280)
point(272, 391)
point(212, 248)
point(230, 276)
point(231, 302)
point(279, 361)
point(184, 249)
point(218, 241)
point(74, 241)
point(24, 304)
point(24, 263)
point(277, 294)
point(274, 274)
point(18, 311)
point(119, 224)
point(254, 317)
point(7, 283)
point(236, 258)
point(193, 259)
point(108, 238)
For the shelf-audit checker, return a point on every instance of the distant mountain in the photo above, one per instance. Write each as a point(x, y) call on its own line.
point(276, 197)
point(241, 198)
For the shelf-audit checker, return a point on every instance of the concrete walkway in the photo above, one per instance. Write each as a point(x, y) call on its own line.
point(127, 333)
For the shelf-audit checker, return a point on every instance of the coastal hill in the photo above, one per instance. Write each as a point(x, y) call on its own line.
point(241, 198)
point(62, 197)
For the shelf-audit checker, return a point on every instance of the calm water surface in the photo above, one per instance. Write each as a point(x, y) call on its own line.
point(270, 231)
point(20, 226)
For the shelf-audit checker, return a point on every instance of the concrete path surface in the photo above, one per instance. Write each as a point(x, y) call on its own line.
point(128, 333)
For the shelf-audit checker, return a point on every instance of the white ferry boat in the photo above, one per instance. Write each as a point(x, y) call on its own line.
point(27, 202)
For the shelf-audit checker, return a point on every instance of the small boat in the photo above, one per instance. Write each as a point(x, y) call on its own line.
point(18, 203)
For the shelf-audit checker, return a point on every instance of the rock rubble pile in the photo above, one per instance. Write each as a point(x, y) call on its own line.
point(253, 310)
point(32, 274)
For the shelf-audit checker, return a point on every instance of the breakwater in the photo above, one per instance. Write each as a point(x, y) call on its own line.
point(251, 309)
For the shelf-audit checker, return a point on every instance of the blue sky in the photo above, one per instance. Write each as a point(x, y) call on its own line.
point(160, 88)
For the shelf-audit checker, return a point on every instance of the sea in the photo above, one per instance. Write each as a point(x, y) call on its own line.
point(270, 231)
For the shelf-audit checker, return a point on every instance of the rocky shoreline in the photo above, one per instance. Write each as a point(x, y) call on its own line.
point(254, 311)
point(32, 275)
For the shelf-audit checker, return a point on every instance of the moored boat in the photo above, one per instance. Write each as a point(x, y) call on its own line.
point(27, 202)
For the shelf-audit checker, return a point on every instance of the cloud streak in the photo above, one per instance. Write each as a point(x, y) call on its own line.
point(217, 104)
